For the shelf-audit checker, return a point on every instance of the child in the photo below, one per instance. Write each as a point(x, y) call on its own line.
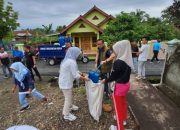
point(121, 75)
point(68, 73)
point(22, 79)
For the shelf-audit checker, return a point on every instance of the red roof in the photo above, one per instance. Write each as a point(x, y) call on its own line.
point(24, 33)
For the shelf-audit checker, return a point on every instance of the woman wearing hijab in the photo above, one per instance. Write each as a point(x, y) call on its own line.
point(121, 75)
point(22, 79)
point(68, 73)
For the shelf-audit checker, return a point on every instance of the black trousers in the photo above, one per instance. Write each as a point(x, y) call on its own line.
point(155, 56)
point(36, 72)
point(106, 87)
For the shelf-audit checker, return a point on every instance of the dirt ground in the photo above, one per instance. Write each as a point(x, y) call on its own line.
point(48, 116)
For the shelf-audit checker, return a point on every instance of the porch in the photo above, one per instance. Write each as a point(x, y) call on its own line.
point(86, 41)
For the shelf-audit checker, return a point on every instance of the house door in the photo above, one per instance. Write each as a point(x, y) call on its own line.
point(85, 43)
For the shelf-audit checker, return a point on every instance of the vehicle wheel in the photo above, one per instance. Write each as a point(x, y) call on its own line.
point(85, 59)
point(51, 62)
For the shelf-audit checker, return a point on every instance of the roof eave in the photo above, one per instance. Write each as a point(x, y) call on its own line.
point(85, 20)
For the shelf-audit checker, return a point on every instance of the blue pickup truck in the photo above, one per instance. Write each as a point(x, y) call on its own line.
point(55, 53)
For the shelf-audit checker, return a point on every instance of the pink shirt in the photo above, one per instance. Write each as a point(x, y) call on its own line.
point(121, 89)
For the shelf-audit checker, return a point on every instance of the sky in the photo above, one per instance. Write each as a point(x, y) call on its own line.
point(35, 13)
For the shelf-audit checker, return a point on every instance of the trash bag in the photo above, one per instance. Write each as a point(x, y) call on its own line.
point(94, 93)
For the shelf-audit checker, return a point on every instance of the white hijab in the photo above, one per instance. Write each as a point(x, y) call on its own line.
point(20, 72)
point(123, 52)
point(72, 53)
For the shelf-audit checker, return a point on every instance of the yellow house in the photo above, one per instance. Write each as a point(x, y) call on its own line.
point(87, 28)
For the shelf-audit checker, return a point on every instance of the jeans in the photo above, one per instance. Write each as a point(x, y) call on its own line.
point(141, 68)
point(4, 67)
point(23, 100)
point(135, 63)
point(68, 101)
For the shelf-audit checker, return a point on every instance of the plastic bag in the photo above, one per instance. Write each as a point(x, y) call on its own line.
point(94, 93)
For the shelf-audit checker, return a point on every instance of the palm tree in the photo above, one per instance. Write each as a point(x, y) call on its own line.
point(48, 28)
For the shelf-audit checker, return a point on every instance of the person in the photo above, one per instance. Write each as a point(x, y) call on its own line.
point(5, 62)
point(23, 80)
point(135, 49)
point(102, 54)
point(68, 73)
point(121, 75)
point(30, 61)
point(67, 45)
point(17, 53)
point(143, 55)
point(156, 49)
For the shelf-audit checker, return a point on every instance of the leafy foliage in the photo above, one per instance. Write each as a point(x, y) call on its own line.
point(123, 27)
point(8, 19)
point(172, 13)
point(60, 28)
point(48, 29)
point(134, 25)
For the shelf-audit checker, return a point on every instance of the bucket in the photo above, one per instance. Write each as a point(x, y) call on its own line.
point(94, 75)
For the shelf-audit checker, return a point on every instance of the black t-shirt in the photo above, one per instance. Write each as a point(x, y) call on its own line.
point(134, 49)
point(5, 61)
point(121, 72)
point(29, 59)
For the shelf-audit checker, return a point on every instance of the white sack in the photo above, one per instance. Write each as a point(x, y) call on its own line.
point(94, 93)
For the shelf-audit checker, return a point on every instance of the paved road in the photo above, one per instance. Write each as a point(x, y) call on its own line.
point(47, 70)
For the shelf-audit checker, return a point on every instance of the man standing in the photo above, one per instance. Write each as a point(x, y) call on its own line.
point(156, 49)
point(31, 61)
point(143, 54)
point(102, 54)
point(5, 62)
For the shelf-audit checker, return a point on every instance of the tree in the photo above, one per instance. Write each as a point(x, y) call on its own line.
point(48, 29)
point(134, 25)
point(60, 28)
point(8, 20)
point(141, 15)
point(172, 13)
point(123, 27)
point(39, 31)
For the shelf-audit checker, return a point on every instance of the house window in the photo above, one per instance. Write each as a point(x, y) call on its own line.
point(95, 18)
point(76, 40)
point(82, 26)
point(94, 39)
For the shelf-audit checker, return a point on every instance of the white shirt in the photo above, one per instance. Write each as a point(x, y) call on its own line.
point(144, 55)
point(68, 73)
